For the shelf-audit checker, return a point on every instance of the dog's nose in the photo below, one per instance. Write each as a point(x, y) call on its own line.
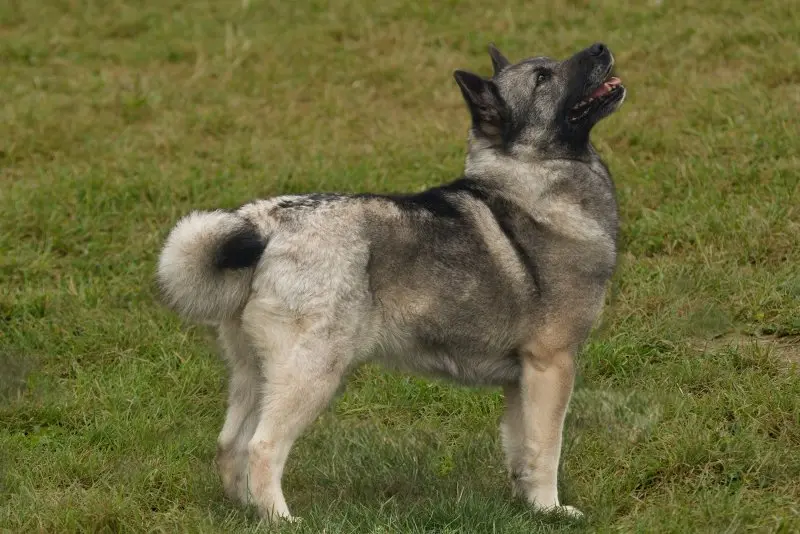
point(598, 49)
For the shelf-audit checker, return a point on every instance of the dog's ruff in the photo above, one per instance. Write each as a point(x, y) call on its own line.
point(494, 279)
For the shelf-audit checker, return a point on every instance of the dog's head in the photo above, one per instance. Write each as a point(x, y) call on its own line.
point(540, 107)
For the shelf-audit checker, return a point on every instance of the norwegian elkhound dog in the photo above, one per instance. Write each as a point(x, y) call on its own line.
point(494, 279)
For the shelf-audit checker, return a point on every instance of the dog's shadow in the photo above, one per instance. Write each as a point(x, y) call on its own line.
point(362, 479)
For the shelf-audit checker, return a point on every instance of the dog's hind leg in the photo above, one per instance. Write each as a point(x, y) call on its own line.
point(303, 370)
point(297, 390)
point(242, 416)
point(544, 393)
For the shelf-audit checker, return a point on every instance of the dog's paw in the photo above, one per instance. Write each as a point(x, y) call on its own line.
point(564, 510)
point(571, 511)
point(277, 519)
point(275, 515)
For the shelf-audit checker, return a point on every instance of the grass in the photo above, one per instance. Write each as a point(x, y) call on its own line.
point(118, 117)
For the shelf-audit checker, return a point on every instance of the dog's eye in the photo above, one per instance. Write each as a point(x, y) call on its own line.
point(541, 77)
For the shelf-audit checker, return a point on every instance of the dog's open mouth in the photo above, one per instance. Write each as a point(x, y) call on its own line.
point(607, 91)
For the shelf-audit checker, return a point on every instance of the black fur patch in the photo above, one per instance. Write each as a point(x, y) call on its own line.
point(241, 249)
point(439, 201)
point(309, 201)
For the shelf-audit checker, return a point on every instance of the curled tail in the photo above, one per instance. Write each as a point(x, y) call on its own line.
point(207, 264)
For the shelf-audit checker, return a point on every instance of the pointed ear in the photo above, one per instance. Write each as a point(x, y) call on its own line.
point(499, 61)
point(484, 101)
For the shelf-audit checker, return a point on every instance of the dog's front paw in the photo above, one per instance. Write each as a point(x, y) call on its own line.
point(278, 517)
point(546, 502)
point(563, 510)
point(570, 511)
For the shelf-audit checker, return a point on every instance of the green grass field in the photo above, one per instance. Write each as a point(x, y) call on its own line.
point(118, 117)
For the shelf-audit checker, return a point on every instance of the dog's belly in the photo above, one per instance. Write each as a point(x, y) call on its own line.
point(466, 360)
point(471, 370)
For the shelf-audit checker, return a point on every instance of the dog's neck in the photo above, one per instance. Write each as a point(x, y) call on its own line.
point(490, 156)
point(531, 184)
point(520, 169)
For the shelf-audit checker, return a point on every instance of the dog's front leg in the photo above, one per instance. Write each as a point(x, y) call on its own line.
point(544, 392)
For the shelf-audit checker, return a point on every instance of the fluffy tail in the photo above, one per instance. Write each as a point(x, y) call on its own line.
point(207, 265)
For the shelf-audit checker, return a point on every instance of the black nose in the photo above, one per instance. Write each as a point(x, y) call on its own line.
point(598, 49)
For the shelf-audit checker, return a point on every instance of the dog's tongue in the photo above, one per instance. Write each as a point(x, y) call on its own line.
point(606, 87)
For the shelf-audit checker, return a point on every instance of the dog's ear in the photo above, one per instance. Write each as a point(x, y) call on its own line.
point(487, 107)
point(499, 61)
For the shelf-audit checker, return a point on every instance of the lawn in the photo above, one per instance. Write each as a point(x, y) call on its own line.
point(118, 117)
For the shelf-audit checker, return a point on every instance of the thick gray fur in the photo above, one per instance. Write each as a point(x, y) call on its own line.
point(494, 279)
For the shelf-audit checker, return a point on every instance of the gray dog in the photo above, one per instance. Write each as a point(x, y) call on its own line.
point(494, 279)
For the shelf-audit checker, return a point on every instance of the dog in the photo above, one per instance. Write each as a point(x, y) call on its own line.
point(494, 279)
